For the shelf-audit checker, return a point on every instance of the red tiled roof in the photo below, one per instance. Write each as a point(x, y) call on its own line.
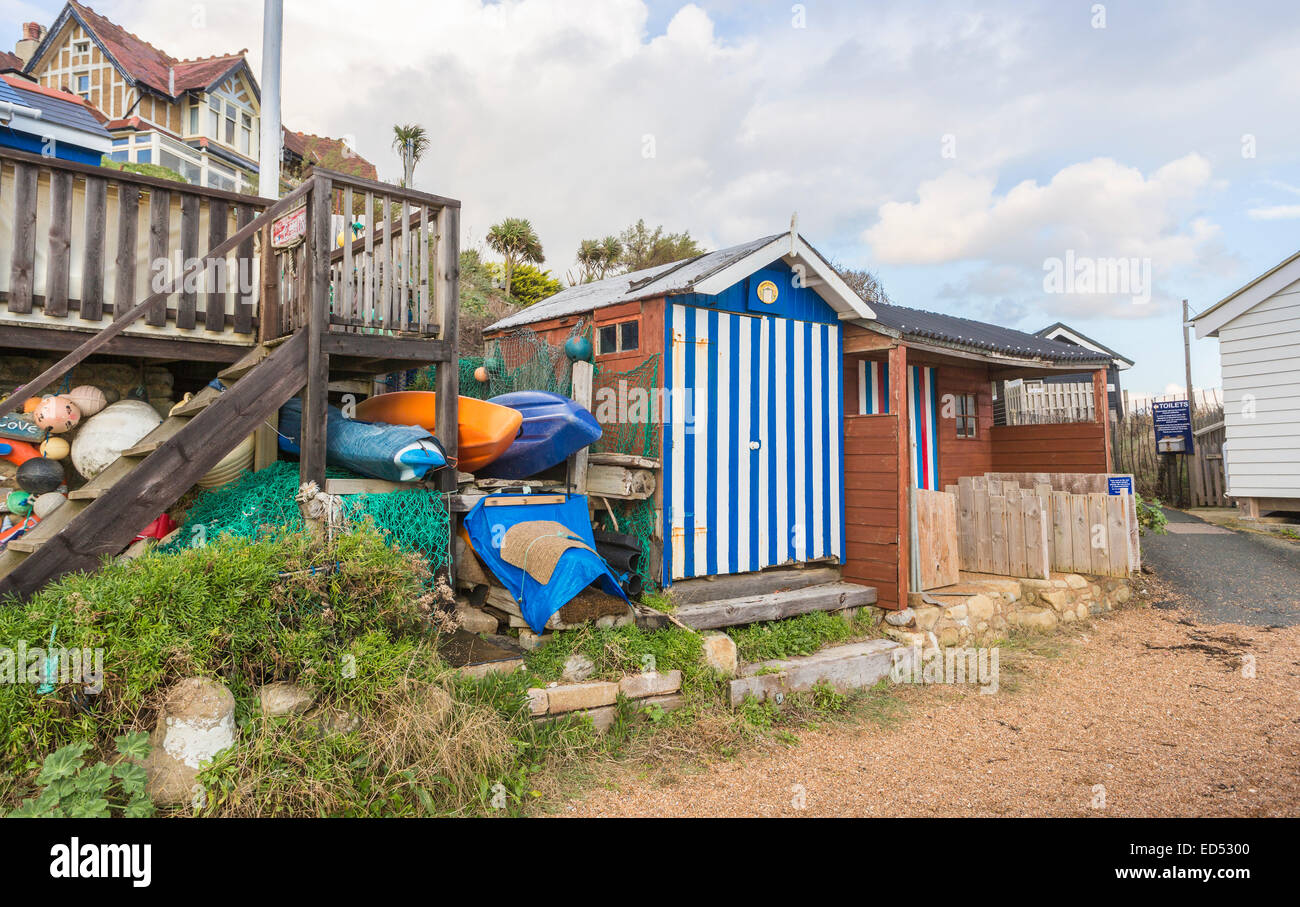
point(149, 65)
point(10, 61)
point(332, 154)
point(34, 88)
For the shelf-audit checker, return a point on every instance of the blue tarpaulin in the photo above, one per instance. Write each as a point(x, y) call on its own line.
point(575, 570)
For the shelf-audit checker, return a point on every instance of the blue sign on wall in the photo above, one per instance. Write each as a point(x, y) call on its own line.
point(1118, 485)
point(1173, 426)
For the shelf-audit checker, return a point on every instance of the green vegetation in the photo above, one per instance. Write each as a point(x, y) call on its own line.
point(802, 635)
point(515, 240)
point(411, 142)
point(73, 790)
point(157, 171)
point(646, 248)
point(531, 284)
point(1151, 515)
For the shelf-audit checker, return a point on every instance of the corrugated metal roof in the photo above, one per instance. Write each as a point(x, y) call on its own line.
point(661, 280)
point(977, 335)
point(56, 110)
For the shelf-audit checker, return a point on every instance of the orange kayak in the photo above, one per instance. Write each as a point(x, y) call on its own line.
point(485, 430)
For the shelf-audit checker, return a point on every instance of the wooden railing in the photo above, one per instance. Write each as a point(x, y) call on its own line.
point(390, 252)
point(79, 245)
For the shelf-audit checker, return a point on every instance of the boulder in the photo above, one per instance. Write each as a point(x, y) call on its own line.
point(577, 668)
point(284, 699)
point(720, 653)
point(195, 725)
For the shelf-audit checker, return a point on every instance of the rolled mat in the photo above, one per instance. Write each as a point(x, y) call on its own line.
point(535, 547)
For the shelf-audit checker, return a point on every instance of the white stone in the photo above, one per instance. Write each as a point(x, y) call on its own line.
point(284, 699)
point(577, 668)
point(720, 653)
point(902, 618)
point(195, 724)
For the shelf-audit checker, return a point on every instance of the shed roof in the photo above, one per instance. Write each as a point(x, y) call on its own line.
point(700, 274)
point(967, 333)
point(1060, 329)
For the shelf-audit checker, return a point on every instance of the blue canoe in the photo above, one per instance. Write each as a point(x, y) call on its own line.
point(398, 453)
point(554, 429)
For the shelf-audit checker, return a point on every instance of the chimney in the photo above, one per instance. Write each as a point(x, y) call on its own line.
point(33, 35)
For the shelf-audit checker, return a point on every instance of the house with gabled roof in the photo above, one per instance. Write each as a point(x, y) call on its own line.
point(198, 117)
point(796, 415)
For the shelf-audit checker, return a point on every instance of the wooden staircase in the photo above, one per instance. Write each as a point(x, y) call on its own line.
point(102, 517)
point(731, 601)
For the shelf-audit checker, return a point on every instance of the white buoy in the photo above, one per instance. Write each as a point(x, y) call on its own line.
point(102, 438)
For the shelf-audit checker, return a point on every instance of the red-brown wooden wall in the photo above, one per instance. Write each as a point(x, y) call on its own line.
point(871, 503)
point(1069, 447)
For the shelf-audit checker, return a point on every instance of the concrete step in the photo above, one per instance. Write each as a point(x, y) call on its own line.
point(733, 612)
point(740, 585)
point(849, 667)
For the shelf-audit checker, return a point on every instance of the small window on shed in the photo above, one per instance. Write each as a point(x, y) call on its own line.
point(967, 415)
point(623, 337)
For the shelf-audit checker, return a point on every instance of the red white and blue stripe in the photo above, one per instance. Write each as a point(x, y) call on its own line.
point(922, 403)
point(753, 442)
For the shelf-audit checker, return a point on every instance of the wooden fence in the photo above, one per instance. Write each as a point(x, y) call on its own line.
point(1030, 402)
point(1188, 481)
point(1005, 529)
point(80, 245)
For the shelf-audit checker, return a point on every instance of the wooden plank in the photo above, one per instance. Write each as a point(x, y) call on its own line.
point(774, 606)
point(849, 667)
point(58, 262)
point(427, 314)
point(936, 520)
point(383, 305)
point(365, 486)
point(1080, 534)
point(110, 523)
point(1016, 559)
point(128, 225)
point(401, 315)
point(631, 461)
point(1062, 532)
point(1044, 494)
point(245, 258)
point(217, 275)
point(999, 541)
point(160, 212)
point(187, 303)
point(367, 311)
point(1031, 519)
point(22, 274)
point(448, 406)
point(583, 374)
point(983, 528)
point(346, 283)
point(311, 462)
point(92, 259)
point(1117, 533)
point(967, 545)
point(902, 458)
point(514, 500)
point(619, 483)
point(1099, 542)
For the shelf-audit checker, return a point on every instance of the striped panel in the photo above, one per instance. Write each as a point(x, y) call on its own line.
point(873, 388)
point(923, 404)
point(754, 473)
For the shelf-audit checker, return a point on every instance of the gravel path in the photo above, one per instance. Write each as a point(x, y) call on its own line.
point(1227, 576)
point(1153, 707)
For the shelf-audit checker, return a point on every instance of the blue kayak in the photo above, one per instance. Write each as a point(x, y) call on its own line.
point(398, 453)
point(554, 429)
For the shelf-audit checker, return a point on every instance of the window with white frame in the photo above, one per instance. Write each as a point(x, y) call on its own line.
point(623, 337)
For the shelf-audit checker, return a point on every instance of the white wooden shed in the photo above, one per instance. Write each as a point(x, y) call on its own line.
point(1258, 328)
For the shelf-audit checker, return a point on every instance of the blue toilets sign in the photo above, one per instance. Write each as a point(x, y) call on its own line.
point(1173, 426)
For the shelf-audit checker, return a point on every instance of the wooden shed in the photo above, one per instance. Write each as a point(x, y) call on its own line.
point(1258, 328)
point(782, 395)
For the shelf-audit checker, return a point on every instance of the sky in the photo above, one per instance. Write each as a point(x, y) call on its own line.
point(1020, 163)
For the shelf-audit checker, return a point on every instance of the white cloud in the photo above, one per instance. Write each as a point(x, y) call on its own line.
point(1275, 212)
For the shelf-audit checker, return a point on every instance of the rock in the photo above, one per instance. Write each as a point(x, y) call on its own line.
point(911, 638)
point(284, 699)
point(334, 721)
point(475, 620)
point(538, 701)
point(1075, 581)
point(577, 668)
point(1059, 599)
point(720, 653)
point(980, 607)
point(902, 618)
point(195, 724)
point(926, 616)
point(571, 697)
point(1123, 594)
point(958, 612)
point(529, 641)
point(949, 636)
point(651, 683)
point(1035, 619)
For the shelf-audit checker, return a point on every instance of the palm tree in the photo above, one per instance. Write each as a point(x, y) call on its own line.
point(611, 254)
point(411, 142)
point(590, 253)
point(515, 240)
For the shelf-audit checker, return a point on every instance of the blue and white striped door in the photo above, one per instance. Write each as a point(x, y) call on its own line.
point(754, 442)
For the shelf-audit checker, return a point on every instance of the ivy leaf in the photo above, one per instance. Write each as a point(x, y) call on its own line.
point(133, 746)
point(94, 779)
point(140, 807)
point(132, 776)
point(62, 763)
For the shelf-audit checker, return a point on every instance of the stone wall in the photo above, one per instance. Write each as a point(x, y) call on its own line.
point(119, 378)
point(996, 604)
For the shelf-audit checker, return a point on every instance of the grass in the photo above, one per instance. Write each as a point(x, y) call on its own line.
point(395, 731)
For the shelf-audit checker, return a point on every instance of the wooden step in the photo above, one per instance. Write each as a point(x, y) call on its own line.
point(852, 667)
point(234, 372)
point(732, 612)
point(740, 585)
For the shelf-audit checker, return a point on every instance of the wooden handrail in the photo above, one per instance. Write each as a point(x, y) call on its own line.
point(339, 180)
point(124, 320)
point(139, 179)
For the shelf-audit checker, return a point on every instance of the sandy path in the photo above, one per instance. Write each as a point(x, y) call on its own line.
point(1167, 732)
